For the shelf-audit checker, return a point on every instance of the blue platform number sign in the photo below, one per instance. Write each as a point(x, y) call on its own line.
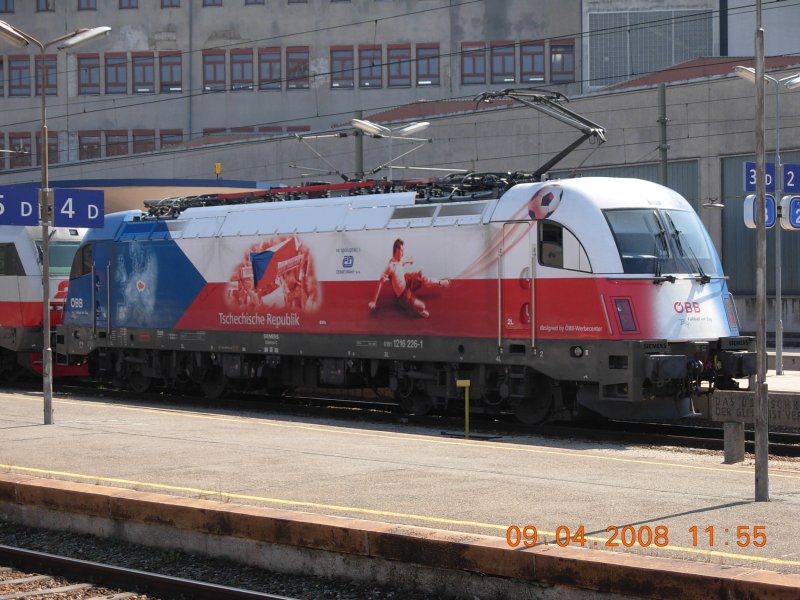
point(790, 213)
point(750, 176)
point(751, 213)
point(19, 206)
point(791, 178)
point(78, 208)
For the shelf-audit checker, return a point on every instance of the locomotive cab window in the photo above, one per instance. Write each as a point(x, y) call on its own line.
point(10, 263)
point(655, 242)
point(560, 249)
point(82, 262)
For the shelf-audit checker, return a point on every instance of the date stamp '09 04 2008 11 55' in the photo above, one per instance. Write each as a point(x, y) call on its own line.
point(644, 536)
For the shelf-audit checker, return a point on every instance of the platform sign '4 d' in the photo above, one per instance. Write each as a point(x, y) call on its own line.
point(78, 208)
point(790, 212)
point(19, 206)
point(750, 213)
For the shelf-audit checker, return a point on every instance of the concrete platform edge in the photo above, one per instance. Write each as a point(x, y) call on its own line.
point(345, 544)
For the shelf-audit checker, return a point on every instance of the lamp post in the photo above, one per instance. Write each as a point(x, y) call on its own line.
point(791, 82)
point(19, 38)
point(379, 131)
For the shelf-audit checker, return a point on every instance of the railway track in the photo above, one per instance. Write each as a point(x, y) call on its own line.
point(43, 575)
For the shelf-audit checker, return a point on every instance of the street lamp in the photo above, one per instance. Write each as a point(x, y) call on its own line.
point(380, 131)
point(791, 82)
point(19, 38)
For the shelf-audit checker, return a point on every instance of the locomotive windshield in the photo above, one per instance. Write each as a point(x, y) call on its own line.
point(662, 242)
point(59, 256)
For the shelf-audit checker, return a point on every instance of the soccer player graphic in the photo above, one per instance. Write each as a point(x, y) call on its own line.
point(405, 284)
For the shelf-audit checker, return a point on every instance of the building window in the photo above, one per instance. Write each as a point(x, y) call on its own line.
point(271, 130)
point(427, 64)
point(116, 73)
point(51, 81)
point(170, 138)
point(212, 2)
point(87, 4)
point(52, 147)
point(88, 74)
point(2, 90)
point(269, 68)
point(213, 70)
point(504, 67)
point(45, 5)
point(242, 69)
point(399, 61)
point(531, 59)
point(247, 2)
point(473, 63)
point(144, 140)
point(20, 144)
point(170, 3)
point(214, 132)
point(143, 64)
point(129, 3)
point(19, 75)
point(88, 145)
point(6, 6)
point(171, 65)
point(116, 143)
point(370, 67)
point(342, 67)
point(562, 61)
point(297, 67)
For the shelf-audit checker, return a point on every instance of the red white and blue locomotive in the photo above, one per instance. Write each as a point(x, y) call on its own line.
point(597, 293)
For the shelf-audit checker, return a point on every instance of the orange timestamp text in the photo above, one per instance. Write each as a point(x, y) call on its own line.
point(644, 536)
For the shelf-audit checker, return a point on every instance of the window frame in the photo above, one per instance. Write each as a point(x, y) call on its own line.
point(45, 5)
point(342, 68)
point(428, 65)
point(370, 74)
point(87, 140)
point(6, 6)
point(294, 58)
point(170, 72)
point(50, 74)
point(144, 140)
point(398, 65)
point(169, 138)
point(52, 147)
point(241, 59)
point(87, 4)
point(214, 64)
point(20, 139)
point(128, 4)
point(19, 75)
point(530, 51)
point(473, 63)
point(143, 64)
point(114, 64)
point(119, 142)
point(503, 62)
point(171, 3)
point(270, 83)
point(562, 74)
point(88, 72)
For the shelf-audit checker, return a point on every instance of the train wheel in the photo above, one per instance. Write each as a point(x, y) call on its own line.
point(214, 383)
point(420, 403)
point(139, 383)
point(535, 408)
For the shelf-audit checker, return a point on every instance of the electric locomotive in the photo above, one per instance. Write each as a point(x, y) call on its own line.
point(21, 308)
point(556, 298)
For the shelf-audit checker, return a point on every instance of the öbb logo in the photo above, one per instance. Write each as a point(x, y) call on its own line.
point(686, 307)
point(348, 262)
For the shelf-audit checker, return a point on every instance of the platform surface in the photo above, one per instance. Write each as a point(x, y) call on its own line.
point(408, 475)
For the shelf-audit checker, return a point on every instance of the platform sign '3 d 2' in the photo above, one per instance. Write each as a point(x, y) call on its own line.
point(78, 208)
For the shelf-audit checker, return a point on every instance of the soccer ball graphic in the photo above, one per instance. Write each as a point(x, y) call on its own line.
point(544, 202)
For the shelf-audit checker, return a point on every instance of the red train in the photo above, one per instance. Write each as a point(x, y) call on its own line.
point(21, 307)
point(597, 294)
